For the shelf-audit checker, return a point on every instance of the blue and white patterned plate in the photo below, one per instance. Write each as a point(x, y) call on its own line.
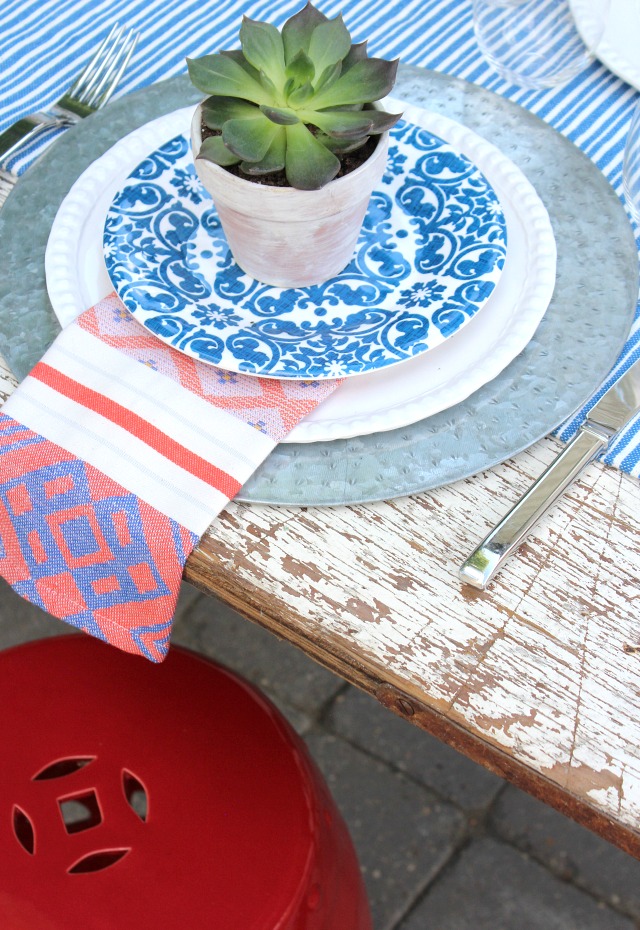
point(430, 253)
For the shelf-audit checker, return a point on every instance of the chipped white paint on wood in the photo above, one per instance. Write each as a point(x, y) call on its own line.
point(541, 665)
point(7, 381)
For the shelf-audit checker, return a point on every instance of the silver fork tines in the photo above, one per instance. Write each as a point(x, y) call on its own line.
point(100, 77)
point(91, 90)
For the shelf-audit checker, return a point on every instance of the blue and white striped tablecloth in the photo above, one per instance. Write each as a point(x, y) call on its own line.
point(44, 43)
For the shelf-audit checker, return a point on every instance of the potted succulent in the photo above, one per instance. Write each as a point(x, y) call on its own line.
point(290, 143)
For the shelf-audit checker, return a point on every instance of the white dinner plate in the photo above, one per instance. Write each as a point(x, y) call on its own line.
point(378, 401)
point(619, 46)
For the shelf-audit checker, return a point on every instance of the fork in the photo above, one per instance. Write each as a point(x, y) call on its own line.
point(91, 90)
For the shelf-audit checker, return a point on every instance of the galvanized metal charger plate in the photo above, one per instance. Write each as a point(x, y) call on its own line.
point(574, 347)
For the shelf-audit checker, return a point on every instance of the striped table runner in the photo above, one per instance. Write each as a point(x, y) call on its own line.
point(43, 44)
point(116, 453)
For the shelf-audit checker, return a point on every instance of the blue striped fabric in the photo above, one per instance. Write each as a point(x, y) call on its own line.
point(43, 44)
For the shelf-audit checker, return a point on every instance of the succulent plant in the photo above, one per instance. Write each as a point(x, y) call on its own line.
point(292, 100)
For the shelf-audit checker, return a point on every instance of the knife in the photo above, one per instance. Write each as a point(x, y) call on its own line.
point(613, 411)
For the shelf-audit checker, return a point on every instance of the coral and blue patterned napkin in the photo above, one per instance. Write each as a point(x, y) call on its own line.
point(116, 453)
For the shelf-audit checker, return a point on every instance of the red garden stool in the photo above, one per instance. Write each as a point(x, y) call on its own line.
point(160, 797)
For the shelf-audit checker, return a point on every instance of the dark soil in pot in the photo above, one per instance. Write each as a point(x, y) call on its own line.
point(348, 162)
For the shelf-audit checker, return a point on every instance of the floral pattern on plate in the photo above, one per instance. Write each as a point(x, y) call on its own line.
point(430, 253)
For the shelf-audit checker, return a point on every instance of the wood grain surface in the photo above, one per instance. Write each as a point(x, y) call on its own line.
point(538, 677)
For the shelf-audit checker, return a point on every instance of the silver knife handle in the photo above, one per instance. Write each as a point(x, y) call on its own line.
point(16, 139)
point(504, 539)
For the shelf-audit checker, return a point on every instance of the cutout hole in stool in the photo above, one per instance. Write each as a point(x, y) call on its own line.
point(80, 811)
point(136, 794)
point(23, 829)
point(97, 861)
point(63, 767)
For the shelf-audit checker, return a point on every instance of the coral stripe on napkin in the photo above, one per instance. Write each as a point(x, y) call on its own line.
point(116, 452)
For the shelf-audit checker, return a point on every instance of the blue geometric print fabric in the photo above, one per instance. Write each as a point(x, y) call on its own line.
point(79, 546)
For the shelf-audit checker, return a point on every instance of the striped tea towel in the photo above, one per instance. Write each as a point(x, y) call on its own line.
point(116, 452)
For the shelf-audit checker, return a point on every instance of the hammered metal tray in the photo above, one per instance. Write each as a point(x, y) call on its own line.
point(574, 347)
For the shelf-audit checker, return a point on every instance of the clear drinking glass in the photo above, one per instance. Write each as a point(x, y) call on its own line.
point(534, 43)
point(631, 167)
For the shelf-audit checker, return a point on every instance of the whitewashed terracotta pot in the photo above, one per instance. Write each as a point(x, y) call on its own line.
point(289, 237)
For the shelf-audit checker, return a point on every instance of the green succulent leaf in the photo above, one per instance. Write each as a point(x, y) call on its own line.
point(270, 87)
point(330, 74)
point(301, 69)
point(348, 106)
point(349, 123)
point(236, 55)
point(339, 123)
point(309, 164)
point(213, 149)
point(220, 75)
point(263, 48)
point(341, 146)
point(357, 52)
point(249, 139)
point(299, 95)
point(283, 116)
point(297, 31)
point(274, 160)
point(330, 43)
point(382, 121)
point(366, 81)
point(217, 110)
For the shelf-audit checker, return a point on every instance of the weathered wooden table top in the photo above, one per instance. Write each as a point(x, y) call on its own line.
point(538, 678)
